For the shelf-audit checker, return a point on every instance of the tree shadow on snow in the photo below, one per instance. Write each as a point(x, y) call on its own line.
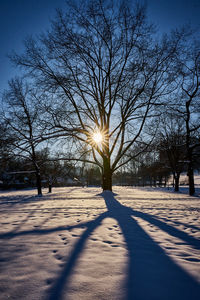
point(151, 274)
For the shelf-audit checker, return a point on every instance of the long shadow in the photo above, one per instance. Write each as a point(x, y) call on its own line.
point(181, 223)
point(42, 231)
point(12, 200)
point(56, 292)
point(151, 274)
point(192, 241)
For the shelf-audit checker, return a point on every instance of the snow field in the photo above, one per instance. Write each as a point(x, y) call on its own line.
point(79, 243)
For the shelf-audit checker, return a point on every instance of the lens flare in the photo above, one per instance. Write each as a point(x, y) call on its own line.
point(97, 137)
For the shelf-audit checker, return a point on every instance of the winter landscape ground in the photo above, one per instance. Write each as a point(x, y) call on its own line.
point(80, 243)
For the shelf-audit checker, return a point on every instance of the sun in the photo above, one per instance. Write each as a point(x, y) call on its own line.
point(97, 137)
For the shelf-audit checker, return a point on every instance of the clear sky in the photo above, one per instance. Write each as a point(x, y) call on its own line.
point(19, 18)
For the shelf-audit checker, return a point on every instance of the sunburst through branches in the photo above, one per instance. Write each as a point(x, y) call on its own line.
point(98, 138)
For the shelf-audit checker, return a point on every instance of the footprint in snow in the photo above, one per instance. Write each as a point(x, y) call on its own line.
point(108, 242)
point(49, 281)
point(59, 257)
point(192, 259)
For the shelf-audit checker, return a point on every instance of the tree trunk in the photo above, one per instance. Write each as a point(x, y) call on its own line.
point(38, 180)
point(176, 179)
point(37, 171)
point(190, 171)
point(165, 182)
point(160, 181)
point(173, 181)
point(107, 175)
point(50, 184)
point(191, 179)
point(189, 150)
point(50, 188)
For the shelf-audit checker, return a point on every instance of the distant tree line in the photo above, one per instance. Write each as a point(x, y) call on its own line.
point(102, 68)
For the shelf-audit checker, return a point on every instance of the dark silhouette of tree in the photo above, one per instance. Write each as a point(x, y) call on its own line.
point(188, 70)
point(103, 71)
point(6, 140)
point(22, 119)
point(171, 145)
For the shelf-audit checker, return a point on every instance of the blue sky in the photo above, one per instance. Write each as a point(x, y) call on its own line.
point(19, 18)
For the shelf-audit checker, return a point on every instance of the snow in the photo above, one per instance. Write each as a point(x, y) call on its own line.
point(80, 243)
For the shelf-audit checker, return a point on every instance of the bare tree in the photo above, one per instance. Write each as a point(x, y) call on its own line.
point(105, 75)
point(6, 140)
point(171, 144)
point(189, 104)
point(22, 119)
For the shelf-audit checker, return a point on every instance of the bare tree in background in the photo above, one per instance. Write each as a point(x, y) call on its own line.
point(189, 104)
point(6, 141)
point(171, 144)
point(104, 74)
point(22, 118)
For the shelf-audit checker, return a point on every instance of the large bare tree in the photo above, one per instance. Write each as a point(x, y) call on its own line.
point(104, 73)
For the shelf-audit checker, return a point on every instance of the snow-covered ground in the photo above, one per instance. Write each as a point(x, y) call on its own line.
point(81, 244)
